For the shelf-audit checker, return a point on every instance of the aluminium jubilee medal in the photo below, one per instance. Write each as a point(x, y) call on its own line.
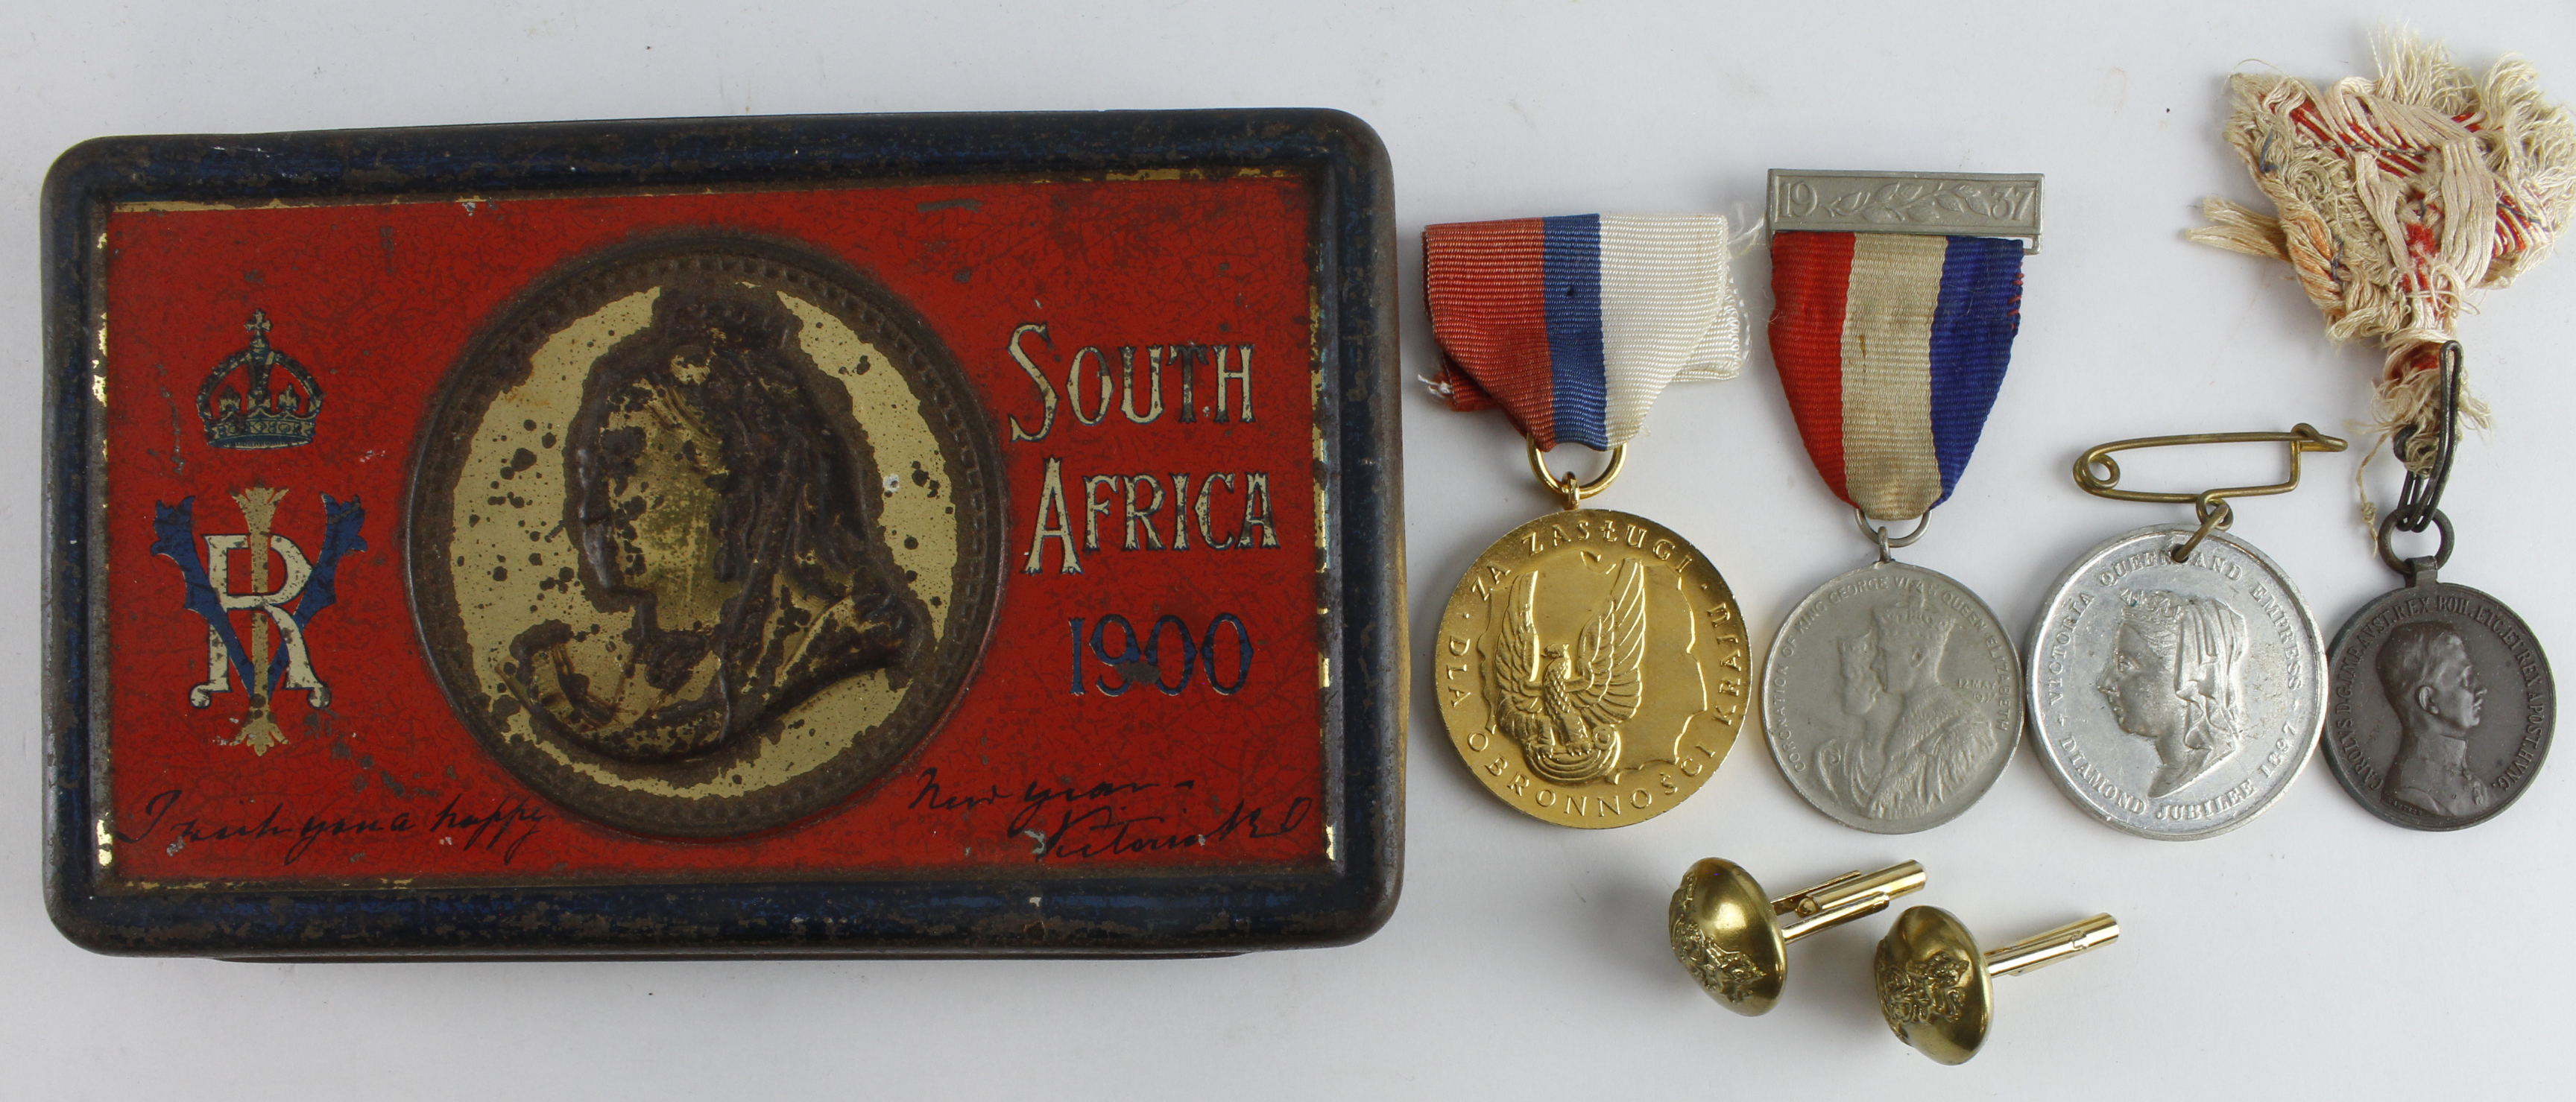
point(1592, 667)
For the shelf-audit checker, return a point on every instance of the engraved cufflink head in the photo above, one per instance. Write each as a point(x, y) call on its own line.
point(1735, 939)
point(1937, 991)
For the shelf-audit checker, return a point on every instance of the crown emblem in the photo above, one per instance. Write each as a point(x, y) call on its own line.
point(259, 397)
point(1914, 620)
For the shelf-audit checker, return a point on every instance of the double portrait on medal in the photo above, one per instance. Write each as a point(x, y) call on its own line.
point(1891, 698)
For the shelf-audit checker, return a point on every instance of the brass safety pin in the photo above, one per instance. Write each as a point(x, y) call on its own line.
point(2209, 505)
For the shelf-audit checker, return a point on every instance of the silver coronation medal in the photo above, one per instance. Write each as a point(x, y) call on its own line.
point(1892, 698)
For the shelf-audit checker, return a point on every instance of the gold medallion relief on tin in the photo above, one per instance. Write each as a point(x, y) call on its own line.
point(699, 551)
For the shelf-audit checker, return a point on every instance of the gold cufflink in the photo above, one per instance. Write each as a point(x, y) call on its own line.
point(1733, 938)
point(1937, 991)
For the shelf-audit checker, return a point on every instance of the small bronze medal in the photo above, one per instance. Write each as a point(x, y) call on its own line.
point(2443, 705)
point(2391, 200)
point(2442, 699)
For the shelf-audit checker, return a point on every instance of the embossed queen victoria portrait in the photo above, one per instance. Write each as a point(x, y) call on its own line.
point(710, 499)
point(2177, 678)
point(706, 536)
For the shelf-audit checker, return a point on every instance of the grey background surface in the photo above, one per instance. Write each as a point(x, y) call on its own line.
point(2315, 950)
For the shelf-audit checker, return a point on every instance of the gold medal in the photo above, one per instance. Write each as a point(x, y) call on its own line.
point(1592, 666)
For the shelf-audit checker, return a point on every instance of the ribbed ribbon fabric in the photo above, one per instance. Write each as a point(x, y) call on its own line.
point(1891, 347)
point(1574, 325)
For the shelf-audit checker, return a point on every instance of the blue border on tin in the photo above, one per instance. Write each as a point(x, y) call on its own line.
point(1352, 242)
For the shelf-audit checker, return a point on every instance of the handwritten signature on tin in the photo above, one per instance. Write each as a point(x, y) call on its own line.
point(1078, 820)
point(504, 829)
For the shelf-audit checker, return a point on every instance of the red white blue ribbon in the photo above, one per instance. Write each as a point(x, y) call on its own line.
point(1574, 325)
point(1891, 347)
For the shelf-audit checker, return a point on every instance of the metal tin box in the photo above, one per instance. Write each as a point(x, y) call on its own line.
point(941, 534)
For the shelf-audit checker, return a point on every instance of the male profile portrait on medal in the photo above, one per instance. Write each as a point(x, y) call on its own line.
point(2425, 670)
point(1916, 741)
point(2445, 707)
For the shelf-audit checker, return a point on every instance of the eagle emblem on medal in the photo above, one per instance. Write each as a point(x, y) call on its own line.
point(1563, 700)
point(1592, 668)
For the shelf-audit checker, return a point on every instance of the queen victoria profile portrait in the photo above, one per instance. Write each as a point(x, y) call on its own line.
point(1917, 742)
point(2177, 679)
point(708, 498)
point(705, 534)
point(2431, 684)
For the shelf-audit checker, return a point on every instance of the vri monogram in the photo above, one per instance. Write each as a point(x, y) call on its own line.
point(310, 584)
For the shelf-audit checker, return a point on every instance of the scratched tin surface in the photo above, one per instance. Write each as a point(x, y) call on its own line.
point(929, 534)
